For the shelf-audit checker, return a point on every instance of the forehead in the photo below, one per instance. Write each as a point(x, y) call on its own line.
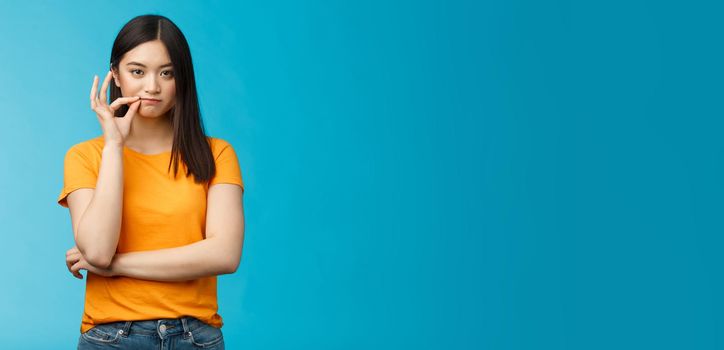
point(150, 53)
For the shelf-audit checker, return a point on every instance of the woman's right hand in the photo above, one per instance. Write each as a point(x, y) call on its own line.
point(115, 130)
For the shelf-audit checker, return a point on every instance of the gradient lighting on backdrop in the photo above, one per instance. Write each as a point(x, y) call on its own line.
point(419, 174)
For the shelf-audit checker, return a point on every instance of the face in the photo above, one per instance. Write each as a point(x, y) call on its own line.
point(146, 71)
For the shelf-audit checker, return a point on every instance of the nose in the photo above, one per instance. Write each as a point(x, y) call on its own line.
point(152, 86)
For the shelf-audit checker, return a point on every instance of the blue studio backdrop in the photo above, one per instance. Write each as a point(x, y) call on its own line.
point(419, 174)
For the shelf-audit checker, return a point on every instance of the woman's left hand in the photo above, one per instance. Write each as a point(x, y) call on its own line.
point(75, 261)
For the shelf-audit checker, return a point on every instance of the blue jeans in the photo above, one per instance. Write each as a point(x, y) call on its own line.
point(165, 334)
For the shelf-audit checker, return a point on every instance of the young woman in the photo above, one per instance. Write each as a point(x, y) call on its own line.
point(152, 240)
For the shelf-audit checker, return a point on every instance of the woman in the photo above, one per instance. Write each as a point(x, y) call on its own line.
point(151, 240)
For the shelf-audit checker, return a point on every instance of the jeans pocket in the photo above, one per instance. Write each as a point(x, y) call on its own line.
point(206, 336)
point(102, 334)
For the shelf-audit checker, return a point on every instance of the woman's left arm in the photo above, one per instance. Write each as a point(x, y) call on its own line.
point(219, 253)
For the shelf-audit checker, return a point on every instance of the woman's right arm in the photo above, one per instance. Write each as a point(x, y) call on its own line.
point(96, 213)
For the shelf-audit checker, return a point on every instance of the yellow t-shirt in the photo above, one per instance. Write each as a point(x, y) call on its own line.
point(159, 211)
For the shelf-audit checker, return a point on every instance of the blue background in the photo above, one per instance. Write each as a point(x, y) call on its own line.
point(419, 174)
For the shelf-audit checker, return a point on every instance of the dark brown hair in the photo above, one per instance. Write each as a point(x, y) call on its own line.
point(190, 143)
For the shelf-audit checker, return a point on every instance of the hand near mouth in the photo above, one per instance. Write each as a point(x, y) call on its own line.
point(115, 130)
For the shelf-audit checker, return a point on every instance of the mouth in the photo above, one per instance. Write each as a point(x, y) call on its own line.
point(149, 101)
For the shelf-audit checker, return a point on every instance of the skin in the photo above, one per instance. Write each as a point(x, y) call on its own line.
point(152, 128)
point(146, 129)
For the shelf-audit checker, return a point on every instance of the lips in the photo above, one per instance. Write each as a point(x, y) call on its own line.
point(149, 102)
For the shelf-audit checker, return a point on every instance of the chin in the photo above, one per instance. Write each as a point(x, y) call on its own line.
point(152, 114)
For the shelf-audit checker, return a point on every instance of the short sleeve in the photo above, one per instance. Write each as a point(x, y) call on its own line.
point(78, 172)
point(227, 166)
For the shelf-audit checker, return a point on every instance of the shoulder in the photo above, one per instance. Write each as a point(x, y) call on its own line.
point(89, 148)
point(219, 146)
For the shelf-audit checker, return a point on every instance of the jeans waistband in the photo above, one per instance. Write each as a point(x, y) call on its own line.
point(162, 326)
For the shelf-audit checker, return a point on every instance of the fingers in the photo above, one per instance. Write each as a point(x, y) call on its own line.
point(104, 88)
point(123, 100)
point(93, 92)
point(69, 264)
point(75, 268)
point(73, 256)
point(76, 274)
point(132, 110)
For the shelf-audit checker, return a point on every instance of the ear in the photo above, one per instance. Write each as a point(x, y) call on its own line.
point(115, 77)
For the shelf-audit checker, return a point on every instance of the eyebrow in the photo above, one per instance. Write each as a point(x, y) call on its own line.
point(144, 66)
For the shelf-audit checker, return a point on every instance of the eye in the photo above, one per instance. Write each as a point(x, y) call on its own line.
point(133, 71)
point(170, 73)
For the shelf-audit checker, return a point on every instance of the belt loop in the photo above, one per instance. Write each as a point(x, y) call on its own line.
point(126, 328)
point(187, 331)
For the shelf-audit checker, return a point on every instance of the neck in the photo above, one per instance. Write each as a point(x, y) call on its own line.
point(150, 133)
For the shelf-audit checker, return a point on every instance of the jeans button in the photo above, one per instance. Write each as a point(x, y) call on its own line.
point(162, 328)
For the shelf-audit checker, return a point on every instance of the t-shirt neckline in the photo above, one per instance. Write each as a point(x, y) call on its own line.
point(145, 154)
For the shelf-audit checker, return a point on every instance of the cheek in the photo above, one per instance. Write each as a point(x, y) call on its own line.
point(172, 89)
point(171, 92)
point(129, 86)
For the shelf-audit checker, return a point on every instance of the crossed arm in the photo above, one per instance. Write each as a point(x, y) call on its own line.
point(219, 253)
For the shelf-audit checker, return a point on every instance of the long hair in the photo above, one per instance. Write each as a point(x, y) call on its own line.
point(190, 143)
